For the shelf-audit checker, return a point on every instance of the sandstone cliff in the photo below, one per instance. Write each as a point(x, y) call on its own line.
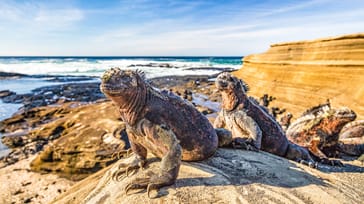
point(305, 73)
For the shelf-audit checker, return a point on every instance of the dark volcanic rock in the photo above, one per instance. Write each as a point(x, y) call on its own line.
point(84, 92)
point(4, 75)
point(6, 93)
point(164, 65)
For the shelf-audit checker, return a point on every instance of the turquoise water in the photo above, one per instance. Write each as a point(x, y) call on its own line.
point(95, 66)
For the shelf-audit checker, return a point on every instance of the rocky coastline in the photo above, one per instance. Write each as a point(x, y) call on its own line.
point(58, 133)
point(67, 139)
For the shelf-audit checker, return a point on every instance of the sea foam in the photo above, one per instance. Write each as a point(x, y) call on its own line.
point(95, 66)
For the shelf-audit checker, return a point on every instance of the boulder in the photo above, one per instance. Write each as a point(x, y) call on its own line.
point(230, 176)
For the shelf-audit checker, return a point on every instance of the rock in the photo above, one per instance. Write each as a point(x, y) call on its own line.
point(85, 144)
point(19, 184)
point(75, 139)
point(43, 96)
point(305, 73)
point(5, 75)
point(28, 200)
point(230, 176)
point(6, 93)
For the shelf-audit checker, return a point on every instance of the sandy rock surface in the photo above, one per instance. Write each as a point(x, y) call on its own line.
point(20, 185)
point(232, 176)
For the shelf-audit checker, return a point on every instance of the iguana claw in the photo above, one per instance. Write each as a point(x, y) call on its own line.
point(240, 143)
point(151, 182)
point(125, 154)
point(125, 169)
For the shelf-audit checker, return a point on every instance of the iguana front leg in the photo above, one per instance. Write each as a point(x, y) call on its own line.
point(246, 125)
point(245, 132)
point(171, 160)
point(139, 157)
point(316, 152)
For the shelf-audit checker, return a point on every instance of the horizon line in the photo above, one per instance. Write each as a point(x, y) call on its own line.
point(5, 56)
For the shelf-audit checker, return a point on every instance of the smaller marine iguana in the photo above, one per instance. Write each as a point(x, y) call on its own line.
point(257, 122)
point(318, 129)
point(245, 131)
point(351, 138)
point(158, 122)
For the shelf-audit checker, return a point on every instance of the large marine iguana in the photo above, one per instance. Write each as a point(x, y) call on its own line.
point(318, 129)
point(160, 123)
point(235, 103)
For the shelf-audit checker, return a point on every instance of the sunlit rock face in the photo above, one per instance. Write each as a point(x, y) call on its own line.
point(305, 73)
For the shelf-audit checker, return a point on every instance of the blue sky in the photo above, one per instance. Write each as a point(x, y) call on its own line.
point(170, 27)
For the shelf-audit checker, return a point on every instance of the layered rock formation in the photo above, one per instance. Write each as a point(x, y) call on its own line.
point(305, 73)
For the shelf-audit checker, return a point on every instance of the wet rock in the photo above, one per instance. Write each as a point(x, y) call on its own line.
point(6, 93)
point(162, 65)
point(5, 75)
point(84, 92)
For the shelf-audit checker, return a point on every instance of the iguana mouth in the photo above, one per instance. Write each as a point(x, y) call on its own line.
point(224, 80)
point(346, 113)
point(222, 84)
point(112, 89)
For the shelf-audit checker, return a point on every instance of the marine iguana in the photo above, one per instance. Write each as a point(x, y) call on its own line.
point(351, 138)
point(158, 122)
point(318, 129)
point(273, 140)
point(245, 131)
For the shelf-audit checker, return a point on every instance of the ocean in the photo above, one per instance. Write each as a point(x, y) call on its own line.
point(95, 66)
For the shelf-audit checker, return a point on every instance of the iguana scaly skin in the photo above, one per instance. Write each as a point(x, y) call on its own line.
point(351, 138)
point(285, 121)
point(158, 122)
point(318, 129)
point(235, 102)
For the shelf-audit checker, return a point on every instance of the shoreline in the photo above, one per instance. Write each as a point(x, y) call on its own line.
point(47, 120)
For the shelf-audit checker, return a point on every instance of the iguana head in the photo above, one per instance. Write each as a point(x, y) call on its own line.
point(337, 118)
point(231, 89)
point(227, 82)
point(120, 84)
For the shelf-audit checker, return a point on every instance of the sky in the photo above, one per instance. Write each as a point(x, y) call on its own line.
point(168, 27)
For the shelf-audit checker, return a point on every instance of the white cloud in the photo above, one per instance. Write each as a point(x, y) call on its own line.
point(225, 30)
point(59, 16)
point(35, 15)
